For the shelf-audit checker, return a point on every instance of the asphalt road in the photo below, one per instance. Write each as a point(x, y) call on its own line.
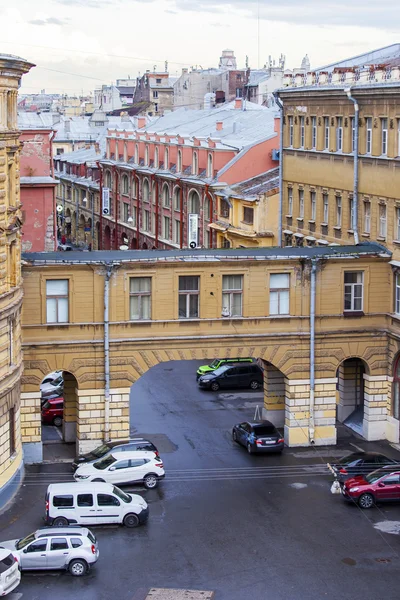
point(260, 526)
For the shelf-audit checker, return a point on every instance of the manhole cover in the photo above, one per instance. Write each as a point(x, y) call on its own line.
point(383, 560)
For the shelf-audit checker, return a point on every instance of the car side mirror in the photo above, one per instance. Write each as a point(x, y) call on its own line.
point(381, 484)
point(111, 469)
point(25, 550)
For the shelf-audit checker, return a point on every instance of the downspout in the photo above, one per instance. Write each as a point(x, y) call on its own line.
point(92, 231)
point(100, 240)
point(313, 279)
point(157, 210)
point(356, 177)
point(116, 207)
point(181, 215)
point(108, 273)
point(280, 216)
point(136, 176)
point(211, 211)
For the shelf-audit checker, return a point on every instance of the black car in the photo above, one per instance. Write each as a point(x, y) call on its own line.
point(359, 463)
point(117, 446)
point(262, 436)
point(233, 376)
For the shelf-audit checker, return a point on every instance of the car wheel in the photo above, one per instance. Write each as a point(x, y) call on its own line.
point(60, 522)
point(77, 567)
point(98, 480)
point(215, 386)
point(366, 501)
point(150, 481)
point(249, 449)
point(57, 421)
point(131, 520)
point(234, 436)
point(254, 385)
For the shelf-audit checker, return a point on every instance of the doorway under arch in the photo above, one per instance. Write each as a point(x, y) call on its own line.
point(350, 387)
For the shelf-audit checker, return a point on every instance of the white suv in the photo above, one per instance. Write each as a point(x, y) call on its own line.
point(10, 575)
point(70, 548)
point(125, 467)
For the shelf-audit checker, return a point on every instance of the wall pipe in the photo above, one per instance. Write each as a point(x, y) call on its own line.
point(313, 279)
point(108, 273)
point(100, 240)
point(280, 217)
point(356, 163)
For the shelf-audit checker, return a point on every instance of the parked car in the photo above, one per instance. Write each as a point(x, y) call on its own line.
point(218, 362)
point(51, 377)
point(93, 503)
point(53, 412)
point(124, 467)
point(359, 463)
point(382, 485)
point(233, 376)
point(52, 389)
point(261, 436)
point(71, 548)
point(131, 445)
point(10, 575)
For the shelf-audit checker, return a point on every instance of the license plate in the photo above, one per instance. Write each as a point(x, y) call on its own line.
point(269, 442)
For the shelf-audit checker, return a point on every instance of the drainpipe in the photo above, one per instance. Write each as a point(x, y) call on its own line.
point(100, 240)
point(155, 181)
point(181, 214)
point(136, 176)
point(280, 217)
point(356, 145)
point(116, 205)
point(312, 349)
point(108, 273)
point(211, 211)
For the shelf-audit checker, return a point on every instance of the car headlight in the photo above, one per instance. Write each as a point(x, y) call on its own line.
point(354, 489)
point(81, 476)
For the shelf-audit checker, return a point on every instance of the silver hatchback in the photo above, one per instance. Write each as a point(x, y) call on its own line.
point(71, 548)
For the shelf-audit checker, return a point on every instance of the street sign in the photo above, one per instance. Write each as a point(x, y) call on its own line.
point(106, 201)
point(59, 208)
point(193, 231)
point(88, 228)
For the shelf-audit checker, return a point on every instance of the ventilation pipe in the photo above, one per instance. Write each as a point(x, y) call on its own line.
point(355, 153)
point(280, 216)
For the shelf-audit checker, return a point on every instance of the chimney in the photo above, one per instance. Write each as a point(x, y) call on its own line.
point(141, 122)
point(219, 126)
point(238, 104)
point(277, 124)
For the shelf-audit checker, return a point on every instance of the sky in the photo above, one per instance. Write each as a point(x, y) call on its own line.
point(79, 44)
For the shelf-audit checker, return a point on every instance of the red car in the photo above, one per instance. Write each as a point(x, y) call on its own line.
point(53, 412)
point(382, 485)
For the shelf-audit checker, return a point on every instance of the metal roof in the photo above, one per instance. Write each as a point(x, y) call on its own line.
point(251, 188)
point(373, 57)
point(37, 180)
point(201, 255)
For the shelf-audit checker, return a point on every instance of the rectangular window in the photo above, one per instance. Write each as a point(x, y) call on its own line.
point(147, 220)
point(248, 215)
point(353, 291)
point(367, 217)
point(351, 213)
point(368, 139)
point(279, 286)
point(57, 301)
point(397, 309)
point(11, 328)
point(290, 131)
point(326, 133)
point(207, 238)
point(155, 94)
point(140, 298)
point(177, 232)
point(232, 294)
point(290, 201)
point(11, 423)
point(166, 227)
point(313, 205)
point(189, 297)
point(353, 134)
point(382, 220)
point(338, 211)
point(302, 132)
point(125, 212)
point(325, 206)
point(301, 204)
point(398, 137)
point(384, 124)
point(339, 134)
point(313, 132)
point(397, 225)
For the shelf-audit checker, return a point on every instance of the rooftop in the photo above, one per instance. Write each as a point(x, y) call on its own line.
point(251, 189)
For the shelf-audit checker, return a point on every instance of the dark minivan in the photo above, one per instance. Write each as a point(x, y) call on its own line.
point(233, 376)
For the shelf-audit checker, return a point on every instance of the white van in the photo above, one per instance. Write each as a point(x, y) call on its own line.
point(93, 504)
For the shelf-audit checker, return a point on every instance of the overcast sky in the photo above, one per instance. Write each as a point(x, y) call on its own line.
point(79, 44)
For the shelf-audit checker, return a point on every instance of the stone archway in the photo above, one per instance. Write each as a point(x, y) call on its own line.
point(107, 238)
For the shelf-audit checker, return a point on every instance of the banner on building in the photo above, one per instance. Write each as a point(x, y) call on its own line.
point(106, 201)
point(193, 231)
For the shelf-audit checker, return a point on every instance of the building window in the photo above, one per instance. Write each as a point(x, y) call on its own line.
point(326, 133)
point(158, 80)
point(11, 330)
point(224, 208)
point(136, 154)
point(353, 291)
point(279, 286)
point(125, 185)
point(384, 124)
point(396, 390)
point(166, 159)
point(397, 278)
point(207, 238)
point(156, 107)
point(140, 298)
point(382, 220)
point(11, 424)
point(125, 212)
point(351, 213)
point(313, 205)
point(313, 132)
point(155, 94)
point(207, 209)
point(339, 134)
point(177, 232)
point(179, 162)
point(146, 191)
point(302, 132)
point(367, 217)
point(398, 137)
point(210, 165)
point(248, 215)
point(290, 131)
point(353, 134)
point(188, 297)
point(146, 220)
point(177, 198)
point(368, 140)
point(194, 164)
point(107, 181)
point(290, 201)
point(146, 156)
point(232, 294)
point(301, 204)
point(165, 196)
point(166, 228)
point(325, 208)
point(156, 158)
point(338, 211)
point(397, 225)
point(57, 301)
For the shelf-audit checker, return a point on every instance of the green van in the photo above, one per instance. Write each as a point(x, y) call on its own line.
point(218, 362)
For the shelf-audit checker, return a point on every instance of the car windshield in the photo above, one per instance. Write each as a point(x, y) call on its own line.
point(104, 462)
point(125, 497)
point(6, 563)
point(46, 404)
point(264, 430)
point(25, 541)
point(221, 370)
point(348, 459)
point(214, 364)
point(56, 382)
point(100, 451)
point(375, 475)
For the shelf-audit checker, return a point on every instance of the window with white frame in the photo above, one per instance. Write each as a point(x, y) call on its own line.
point(368, 138)
point(232, 295)
point(166, 158)
point(301, 204)
point(397, 281)
point(189, 294)
point(290, 201)
point(133, 187)
point(384, 136)
point(339, 134)
point(313, 205)
point(146, 191)
point(165, 196)
point(177, 198)
point(279, 286)
point(290, 120)
point(398, 137)
point(107, 181)
point(351, 213)
point(313, 132)
point(133, 216)
point(207, 238)
point(155, 94)
point(248, 215)
point(166, 228)
point(207, 209)
point(177, 232)
point(325, 207)
point(210, 165)
point(146, 156)
point(353, 134)
point(125, 184)
point(302, 132)
point(179, 162)
point(367, 217)
point(338, 211)
point(57, 300)
point(353, 290)
point(156, 158)
point(154, 192)
point(326, 133)
point(397, 224)
point(146, 220)
point(11, 331)
point(140, 298)
point(382, 220)
point(195, 165)
point(223, 208)
point(136, 154)
point(125, 212)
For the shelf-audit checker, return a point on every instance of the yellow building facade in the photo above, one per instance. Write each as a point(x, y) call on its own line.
point(11, 413)
point(120, 313)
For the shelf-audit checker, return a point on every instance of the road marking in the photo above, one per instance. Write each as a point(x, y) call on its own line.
point(242, 396)
point(58, 432)
point(392, 527)
point(173, 594)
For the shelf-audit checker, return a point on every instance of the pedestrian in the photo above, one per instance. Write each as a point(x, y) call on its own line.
point(63, 239)
point(90, 246)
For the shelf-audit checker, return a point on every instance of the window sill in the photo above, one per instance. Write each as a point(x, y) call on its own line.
point(312, 221)
point(337, 228)
point(280, 316)
point(300, 219)
point(349, 314)
point(381, 239)
point(246, 223)
point(351, 231)
point(324, 224)
point(396, 241)
point(288, 216)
